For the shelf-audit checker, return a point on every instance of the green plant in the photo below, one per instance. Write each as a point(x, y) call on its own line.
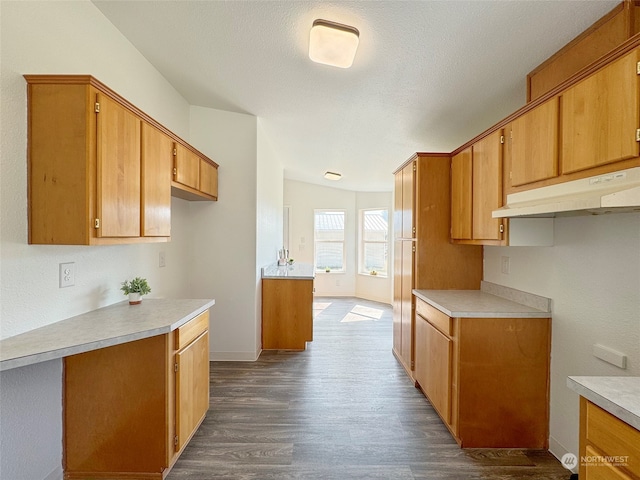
point(137, 285)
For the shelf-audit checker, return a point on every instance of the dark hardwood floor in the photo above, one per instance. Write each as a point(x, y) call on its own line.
point(342, 409)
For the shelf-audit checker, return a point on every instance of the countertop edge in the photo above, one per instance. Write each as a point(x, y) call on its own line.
point(618, 411)
point(65, 351)
point(475, 314)
point(300, 271)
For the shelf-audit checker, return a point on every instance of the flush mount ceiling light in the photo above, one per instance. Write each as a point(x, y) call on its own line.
point(333, 44)
point(332, 176)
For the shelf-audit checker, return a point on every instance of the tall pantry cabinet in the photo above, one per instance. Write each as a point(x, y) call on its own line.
point(424, 257)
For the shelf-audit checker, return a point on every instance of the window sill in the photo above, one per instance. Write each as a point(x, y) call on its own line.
point(366, 274)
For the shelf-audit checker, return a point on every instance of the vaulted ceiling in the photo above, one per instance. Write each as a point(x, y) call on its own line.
point(428, 75)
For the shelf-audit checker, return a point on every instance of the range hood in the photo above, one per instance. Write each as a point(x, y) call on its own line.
point(608, 193)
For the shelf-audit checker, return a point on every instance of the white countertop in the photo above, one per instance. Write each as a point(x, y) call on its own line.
point(296, 271)
point(479, 304)
point(620, 396)
point(105, 327)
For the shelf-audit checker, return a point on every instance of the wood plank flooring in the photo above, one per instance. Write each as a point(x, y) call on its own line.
point(342, 409)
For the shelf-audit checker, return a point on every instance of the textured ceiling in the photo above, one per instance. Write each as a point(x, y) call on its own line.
point(428, 75)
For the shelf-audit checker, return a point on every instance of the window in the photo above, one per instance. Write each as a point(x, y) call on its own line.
point(374, 242)
point(329, 240)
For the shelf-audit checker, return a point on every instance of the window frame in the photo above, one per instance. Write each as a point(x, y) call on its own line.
point(321, 269)
point(362, 242)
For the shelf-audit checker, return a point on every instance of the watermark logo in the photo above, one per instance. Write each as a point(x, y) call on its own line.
point(600, 460)
point(569, 461)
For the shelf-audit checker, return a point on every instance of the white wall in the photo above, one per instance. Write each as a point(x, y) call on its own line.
point(592, 274)
point(223, 263)
point(269, 203)
point(377, 288)
point(64, 37)
point(304, 198)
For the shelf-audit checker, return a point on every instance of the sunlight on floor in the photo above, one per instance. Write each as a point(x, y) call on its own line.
point(318, 307)
point(362, 314)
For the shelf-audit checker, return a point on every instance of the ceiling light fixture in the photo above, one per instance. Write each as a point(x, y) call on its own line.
point(332, 176)
point(333, 44)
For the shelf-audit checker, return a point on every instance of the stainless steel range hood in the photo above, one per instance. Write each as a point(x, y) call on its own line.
point(608, 193)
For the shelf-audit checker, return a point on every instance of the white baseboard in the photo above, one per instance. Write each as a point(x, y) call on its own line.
point(56, 474)
point(558, 450)
point(233, 356)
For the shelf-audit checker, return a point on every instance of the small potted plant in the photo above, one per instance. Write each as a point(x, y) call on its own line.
point(135, 288)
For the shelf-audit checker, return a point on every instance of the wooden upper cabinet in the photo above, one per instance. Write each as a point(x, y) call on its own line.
point(408, 184)
point(600, 116)
point(461, 195)
point(195, 177)
point(487, 186)
point(100, 169)
point(84, 163)
point(603, 36)
point(157, 166)
point(534, 143)
point(186, 167)
point(118, 170)
point(208, 178)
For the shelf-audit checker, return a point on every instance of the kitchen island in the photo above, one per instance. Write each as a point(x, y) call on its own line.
point(287, 306)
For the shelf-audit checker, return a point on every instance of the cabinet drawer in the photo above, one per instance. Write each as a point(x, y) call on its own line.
point(191, 330)
point(434, 316)
point(612, 436)
point(602, 471)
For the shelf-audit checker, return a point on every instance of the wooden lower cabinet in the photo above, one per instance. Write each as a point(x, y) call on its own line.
point(488, 378)
point(434, 355)
point(609, 447)
point(129, 409)
point(287, 313)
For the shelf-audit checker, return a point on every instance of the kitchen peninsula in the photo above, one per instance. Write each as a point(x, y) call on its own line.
point(135, 384)
point(287, 306)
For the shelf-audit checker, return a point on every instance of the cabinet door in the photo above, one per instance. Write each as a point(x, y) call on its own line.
point(397, 205)
point(434, 354)
point(461, 195)
point(397, 296)
point(534, 143)
point(192, 387)
point(600, 117)
point(187, 167)
point(487, 186)
point(156, 164)
point(408, 227)
point(118, 170)
point(407, 300)
point(601, 470)
point(208, 178)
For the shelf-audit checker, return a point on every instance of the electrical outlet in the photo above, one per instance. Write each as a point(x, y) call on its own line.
point(505, 265)
point(67, 274)
point(161, 262)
